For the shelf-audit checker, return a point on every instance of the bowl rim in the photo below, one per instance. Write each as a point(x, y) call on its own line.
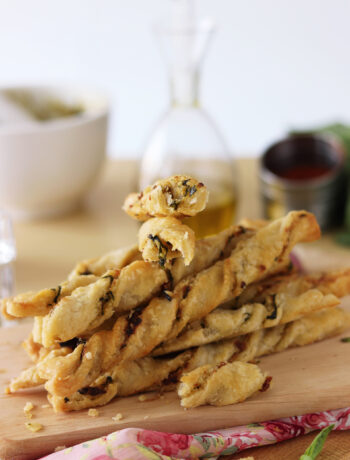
point(62, 123)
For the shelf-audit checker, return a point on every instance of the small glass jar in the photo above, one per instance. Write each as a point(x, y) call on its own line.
point(305, 171)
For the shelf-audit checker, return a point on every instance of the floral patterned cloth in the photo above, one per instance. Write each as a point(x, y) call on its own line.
point(138, 444)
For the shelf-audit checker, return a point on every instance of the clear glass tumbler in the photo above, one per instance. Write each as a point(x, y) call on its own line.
point(7, 257)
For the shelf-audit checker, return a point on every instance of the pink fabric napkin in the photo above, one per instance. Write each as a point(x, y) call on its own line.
point(139, 444)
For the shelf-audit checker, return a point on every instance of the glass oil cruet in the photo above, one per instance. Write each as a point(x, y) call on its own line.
point(186, 140)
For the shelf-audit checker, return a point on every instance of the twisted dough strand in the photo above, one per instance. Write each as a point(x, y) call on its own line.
point(87, 272)
point(87, 308)
point(176, 196)
point(148, 373)
point(193, 298)
point(162, 239)
point(284, 299)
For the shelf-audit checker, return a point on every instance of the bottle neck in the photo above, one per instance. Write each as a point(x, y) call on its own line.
point(184, 88)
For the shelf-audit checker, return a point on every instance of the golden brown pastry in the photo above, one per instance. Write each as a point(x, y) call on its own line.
point(176, 196)
point(283, 299)
point(40, 303)
point(87, 308)
point(27, 379)
point(336, 282)
point(85, 273)
point(121, 290)
point(220, 385)
point(266, 253)
point(98, 266)
point(193, 298)
point(135, 376)
point(162, 239)
point(253, 223)
point(32, 348)
point(207, 251)
point(133, 336)
point(94, 335)
point(123, 380)
point(31, 377)
point(303, 331)
point(309, 329)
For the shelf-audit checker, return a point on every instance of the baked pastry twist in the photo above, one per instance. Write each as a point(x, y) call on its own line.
point(207, 251)
point(194, 297)
point(98, 266)
point(86, 272)
point(282, 299)
point(176, 196)
point(221, 384)
point(162, 239)
point(121, 290)
point(135, 377)
point(94, 334)
point(40, 303)
point(122, 380)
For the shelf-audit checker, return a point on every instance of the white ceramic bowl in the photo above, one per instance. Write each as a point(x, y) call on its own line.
point(46, 168)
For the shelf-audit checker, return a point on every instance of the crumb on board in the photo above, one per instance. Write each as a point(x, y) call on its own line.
point(118, 417)
point(33, 426)
point(2, 371)
point(93, 412)
point(28, 406)
point(58, 448)
point(45, 406)
point(146, 417)
point(7, 391)
point(148, 397)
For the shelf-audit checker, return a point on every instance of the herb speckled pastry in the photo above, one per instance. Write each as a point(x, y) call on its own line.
point(176, 196)
point(222, 384)
point(284, 299)
point(138, 334)
point(161, 374)
point(162, 239)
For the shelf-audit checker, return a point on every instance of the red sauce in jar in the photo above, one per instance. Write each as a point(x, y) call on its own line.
point(304, 172)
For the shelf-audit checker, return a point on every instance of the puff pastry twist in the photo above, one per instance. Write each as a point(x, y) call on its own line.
point(136, 335)
point(149, 373)
point(280, 300)
point(176, 196)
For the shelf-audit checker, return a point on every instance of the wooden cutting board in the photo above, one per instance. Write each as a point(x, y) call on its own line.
point(308, 379)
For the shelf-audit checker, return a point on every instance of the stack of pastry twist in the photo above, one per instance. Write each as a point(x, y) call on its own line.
point(176, 312)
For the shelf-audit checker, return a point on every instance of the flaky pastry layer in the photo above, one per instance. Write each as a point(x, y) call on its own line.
point(138, 334)
point(281, 300)
point(221, 384)
point(162, 239)
point(176, 196)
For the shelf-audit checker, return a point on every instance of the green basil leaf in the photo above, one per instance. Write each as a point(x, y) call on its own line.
point(316, 446)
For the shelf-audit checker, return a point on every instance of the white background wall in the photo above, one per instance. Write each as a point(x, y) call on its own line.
point(273, 64)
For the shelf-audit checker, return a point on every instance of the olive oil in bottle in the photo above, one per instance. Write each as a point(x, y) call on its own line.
point(218, 215)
